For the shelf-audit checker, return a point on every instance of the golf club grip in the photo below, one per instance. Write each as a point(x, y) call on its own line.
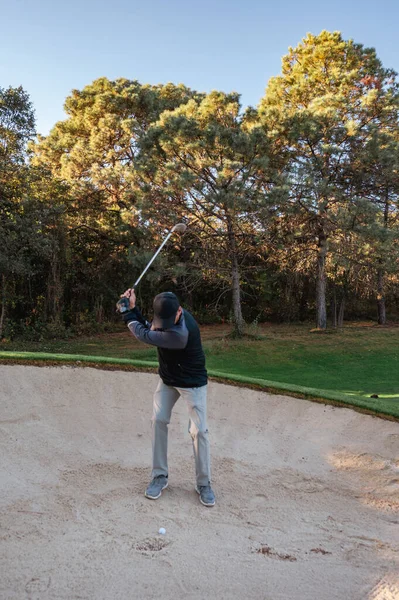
point(152, 260)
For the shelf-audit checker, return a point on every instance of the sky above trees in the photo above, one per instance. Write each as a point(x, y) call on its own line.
point(50, 48)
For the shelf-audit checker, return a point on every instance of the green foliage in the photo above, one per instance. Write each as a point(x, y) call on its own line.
point(322, 113)
point(203, 160)
point(94, 149)
point(19, 227)
point(292, 207)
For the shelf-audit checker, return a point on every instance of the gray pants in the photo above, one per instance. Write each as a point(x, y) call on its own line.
point(165, 398)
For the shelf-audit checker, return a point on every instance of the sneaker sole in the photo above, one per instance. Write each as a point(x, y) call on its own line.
point(156, 497)
point(202, 502)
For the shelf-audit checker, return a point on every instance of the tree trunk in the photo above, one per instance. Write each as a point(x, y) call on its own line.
point(341, 312)
point(239, 322)
point(334, 309)
point(344, 295)
point(381, 310)
point(382, 318)
point(54, 287)
point(321, 282)
point(303, 304)
point(3, 304)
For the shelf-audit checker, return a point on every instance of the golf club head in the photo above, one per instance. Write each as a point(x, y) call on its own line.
point(179, 228)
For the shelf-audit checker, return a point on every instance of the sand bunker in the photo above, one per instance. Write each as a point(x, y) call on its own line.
point(307, 495)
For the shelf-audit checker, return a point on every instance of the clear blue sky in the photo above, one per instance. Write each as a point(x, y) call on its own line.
point(51, 47)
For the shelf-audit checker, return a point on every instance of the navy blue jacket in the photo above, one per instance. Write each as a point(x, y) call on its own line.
point(180, 354)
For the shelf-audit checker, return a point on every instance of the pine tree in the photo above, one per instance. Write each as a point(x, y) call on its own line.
point(320, 109)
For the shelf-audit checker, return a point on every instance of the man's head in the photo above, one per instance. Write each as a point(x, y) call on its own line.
point(167, 310)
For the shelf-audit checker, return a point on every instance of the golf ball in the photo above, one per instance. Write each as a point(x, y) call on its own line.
point(162, 530)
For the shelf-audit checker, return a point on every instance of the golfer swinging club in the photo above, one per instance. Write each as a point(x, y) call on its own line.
point(182, 373)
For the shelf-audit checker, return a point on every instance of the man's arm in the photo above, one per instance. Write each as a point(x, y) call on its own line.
point(175, 338)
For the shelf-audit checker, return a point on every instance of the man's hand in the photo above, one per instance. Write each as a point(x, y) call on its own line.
point(132, 297)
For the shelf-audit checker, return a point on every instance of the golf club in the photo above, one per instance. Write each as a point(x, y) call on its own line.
point(123, 304)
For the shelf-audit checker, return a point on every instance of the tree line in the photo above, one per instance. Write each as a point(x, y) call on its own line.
point(292, 206)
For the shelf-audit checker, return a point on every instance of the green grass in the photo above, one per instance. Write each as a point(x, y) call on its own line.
point(351, 362)
point(349, 365)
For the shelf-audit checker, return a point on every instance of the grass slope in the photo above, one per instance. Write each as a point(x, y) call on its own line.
point(346, 367)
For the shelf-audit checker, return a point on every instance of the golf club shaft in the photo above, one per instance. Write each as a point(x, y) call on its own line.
point(153, 258)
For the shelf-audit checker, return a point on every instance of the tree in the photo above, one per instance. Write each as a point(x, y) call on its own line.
point(16, 129)
point(93, 151)
point(319, 111)
point(95, 148)
point(202, 160)
point(376, 175)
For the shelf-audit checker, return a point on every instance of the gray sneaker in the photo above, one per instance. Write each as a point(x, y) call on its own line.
point(156, 486)
point(206, 495)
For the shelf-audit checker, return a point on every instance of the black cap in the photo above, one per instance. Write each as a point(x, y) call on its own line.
point(166, 306)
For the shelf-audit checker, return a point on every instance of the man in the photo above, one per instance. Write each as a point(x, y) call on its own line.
point(182, 373)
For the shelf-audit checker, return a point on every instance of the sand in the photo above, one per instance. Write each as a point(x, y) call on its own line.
point(307, 495)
